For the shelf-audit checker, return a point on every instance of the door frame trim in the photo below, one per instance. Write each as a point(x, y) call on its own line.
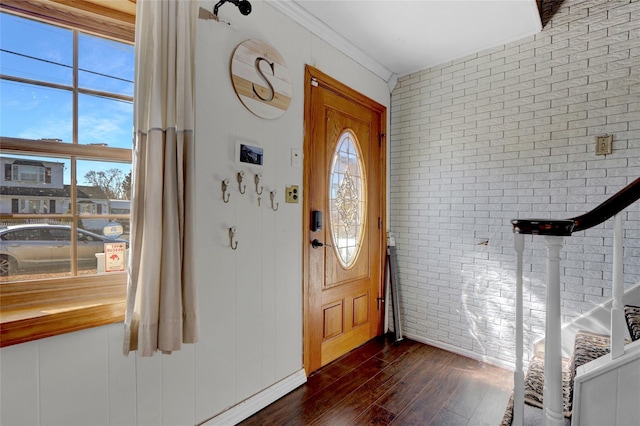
point(327, 82)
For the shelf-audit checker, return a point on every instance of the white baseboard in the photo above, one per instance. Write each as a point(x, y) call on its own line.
point(257, 402)
point(460, 351)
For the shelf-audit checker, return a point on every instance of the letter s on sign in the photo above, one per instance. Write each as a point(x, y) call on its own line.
point(261, 79)
point(266, 80)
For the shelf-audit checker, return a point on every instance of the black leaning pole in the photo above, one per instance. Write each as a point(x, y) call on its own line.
point(392, 265)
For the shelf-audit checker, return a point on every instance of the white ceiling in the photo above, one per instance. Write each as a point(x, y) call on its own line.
point(397, 37)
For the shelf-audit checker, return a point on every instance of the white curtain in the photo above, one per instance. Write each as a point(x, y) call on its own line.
point(162, 309)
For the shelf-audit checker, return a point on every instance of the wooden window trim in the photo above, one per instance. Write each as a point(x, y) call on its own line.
point(31, 310)
point(82, 152)
point(111, 19)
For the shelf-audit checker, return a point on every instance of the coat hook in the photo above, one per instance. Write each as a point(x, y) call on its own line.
point(232, 236)
point(225, 195)
point(257, 179)
point(240, 187)
point(273, 197)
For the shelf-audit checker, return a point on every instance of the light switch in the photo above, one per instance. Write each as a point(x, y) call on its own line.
point(604, 145)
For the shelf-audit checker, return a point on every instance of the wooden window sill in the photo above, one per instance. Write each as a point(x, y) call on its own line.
point(59, 306)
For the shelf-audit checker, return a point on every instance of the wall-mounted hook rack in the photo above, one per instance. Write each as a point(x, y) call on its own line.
point(232, 235)
point(225, 195)
point(241, 188)
point(257, 180)
point(272, 195)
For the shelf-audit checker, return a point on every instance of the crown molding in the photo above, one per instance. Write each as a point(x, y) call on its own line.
point(326, 33)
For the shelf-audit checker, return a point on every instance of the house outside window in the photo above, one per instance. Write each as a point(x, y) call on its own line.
point(66, 120)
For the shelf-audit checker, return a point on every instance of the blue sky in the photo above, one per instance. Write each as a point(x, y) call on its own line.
point(37, 51)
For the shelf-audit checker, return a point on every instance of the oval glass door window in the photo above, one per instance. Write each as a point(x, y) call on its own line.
point(347, 199)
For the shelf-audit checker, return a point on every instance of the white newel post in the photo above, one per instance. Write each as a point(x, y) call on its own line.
point(518, 374)
point(618, 324)
point(552, 393)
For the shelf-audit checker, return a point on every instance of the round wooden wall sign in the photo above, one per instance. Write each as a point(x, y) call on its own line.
point(261, 79)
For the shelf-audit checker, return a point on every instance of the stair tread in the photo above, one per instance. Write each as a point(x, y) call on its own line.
point(534, 383)
point(588, 347)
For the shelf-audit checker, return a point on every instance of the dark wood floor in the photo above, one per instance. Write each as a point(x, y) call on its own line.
point(383, 383)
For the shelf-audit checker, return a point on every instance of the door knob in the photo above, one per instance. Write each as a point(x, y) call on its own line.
point(316, 243)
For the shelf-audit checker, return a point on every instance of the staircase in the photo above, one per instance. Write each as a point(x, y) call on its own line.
point(588, 347)
point(559, 387)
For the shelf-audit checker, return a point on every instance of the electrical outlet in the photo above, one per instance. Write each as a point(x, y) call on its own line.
point(292, 194)
point(604, 145)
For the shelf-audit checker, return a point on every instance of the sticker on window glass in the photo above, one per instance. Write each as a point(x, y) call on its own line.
point(114, 257)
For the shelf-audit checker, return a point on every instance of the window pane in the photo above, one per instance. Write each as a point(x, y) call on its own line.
point(34, 249)
point(105, 121)
point(114, 75)
point(40, 52)
point(33, 185)
point(347, 199)
point(91, 253)
point(103, 197)
point(34, 112)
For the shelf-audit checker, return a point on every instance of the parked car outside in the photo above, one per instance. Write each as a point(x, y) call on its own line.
point(47, 247)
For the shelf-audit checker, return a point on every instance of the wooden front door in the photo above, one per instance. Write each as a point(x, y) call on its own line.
point(344, 219)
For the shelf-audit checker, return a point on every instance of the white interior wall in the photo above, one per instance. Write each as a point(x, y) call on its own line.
point(510, 133)
point(250, 299)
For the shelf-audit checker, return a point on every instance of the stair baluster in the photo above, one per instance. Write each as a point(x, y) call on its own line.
point(518, 374)
point(553, 347)
point(618, 323)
